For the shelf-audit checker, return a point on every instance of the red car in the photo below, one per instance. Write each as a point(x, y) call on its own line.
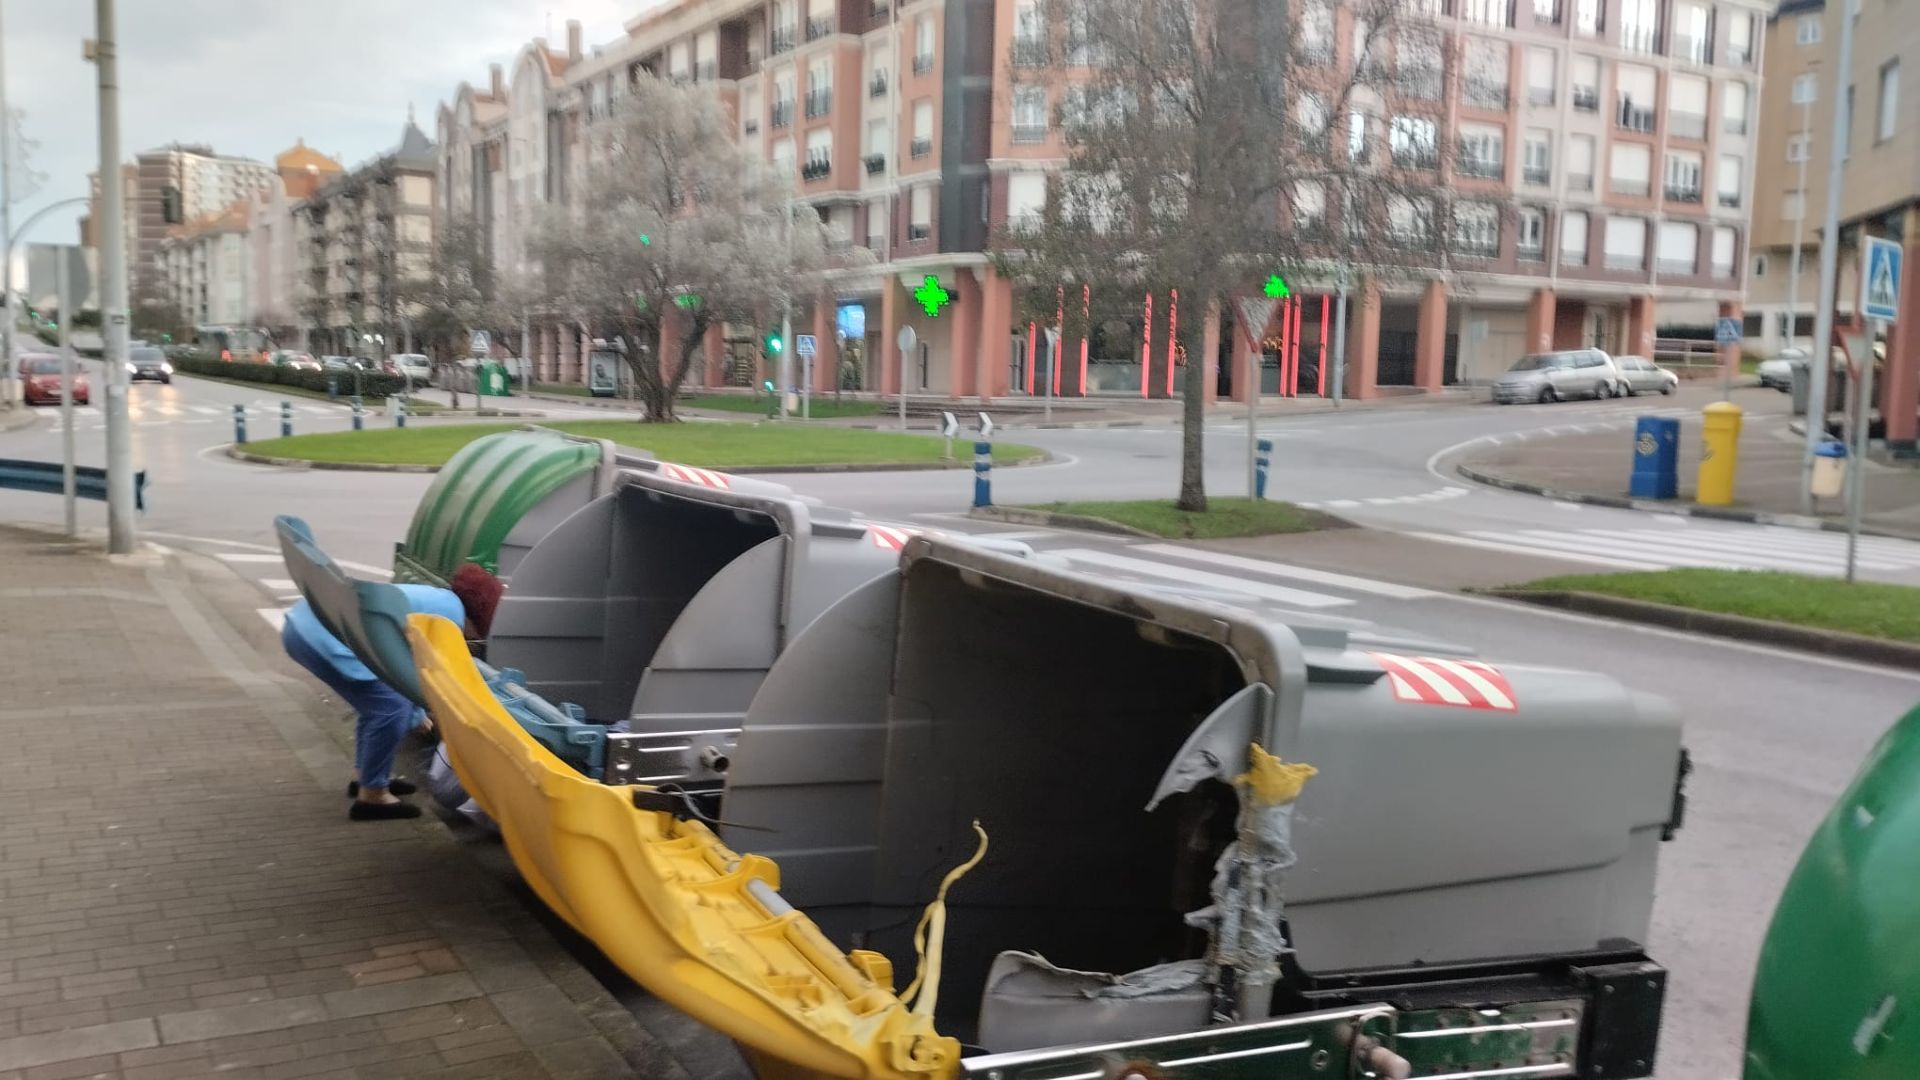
point(40, 380)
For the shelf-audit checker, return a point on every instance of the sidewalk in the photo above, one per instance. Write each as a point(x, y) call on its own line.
point(1595, 466)
point(181, 893)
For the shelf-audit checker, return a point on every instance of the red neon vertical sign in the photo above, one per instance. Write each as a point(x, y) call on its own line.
point(1086, 331)
point(1286, 327)
point(1146, 347)
point(1173, 337)
point(1294, 389)
point(1032, 339)
point(1324, 299)
point(1060, 321)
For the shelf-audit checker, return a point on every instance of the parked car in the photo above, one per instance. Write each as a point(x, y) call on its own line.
point(148, 363)
point(414, 366)
point(1639, 375)
point(1777, 372)
point(1556, 376)
point(337, 363)
point(40, 377)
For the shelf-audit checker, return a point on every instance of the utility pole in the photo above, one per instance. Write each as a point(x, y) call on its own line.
point(68, 369)
point(113, 288)
point(1822, 350)
point(6, 225)
point(1799, 233)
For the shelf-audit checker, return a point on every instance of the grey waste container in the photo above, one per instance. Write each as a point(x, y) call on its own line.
point(1463, 811)
point(1802, 385)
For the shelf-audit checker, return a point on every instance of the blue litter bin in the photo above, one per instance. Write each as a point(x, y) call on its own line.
point(1656, 459)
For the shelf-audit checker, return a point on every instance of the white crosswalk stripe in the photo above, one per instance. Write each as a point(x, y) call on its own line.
point(1288, 571)
point(206, 410)
point(1803, 551)
point(1180, 577)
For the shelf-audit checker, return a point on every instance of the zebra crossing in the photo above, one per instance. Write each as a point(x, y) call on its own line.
point(92, 418)
point(1234, 578)
point(1681, 543)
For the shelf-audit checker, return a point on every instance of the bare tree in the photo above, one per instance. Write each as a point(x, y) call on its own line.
point(1214, 144)
point(677, 228)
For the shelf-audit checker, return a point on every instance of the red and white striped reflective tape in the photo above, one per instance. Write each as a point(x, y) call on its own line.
point(890, 537)
point(1432, 680)
point(687, 474)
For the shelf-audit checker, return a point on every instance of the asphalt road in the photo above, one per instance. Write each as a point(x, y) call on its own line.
point(1775, 734)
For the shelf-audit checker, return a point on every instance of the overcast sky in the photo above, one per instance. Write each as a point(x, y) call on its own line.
point(249, 77)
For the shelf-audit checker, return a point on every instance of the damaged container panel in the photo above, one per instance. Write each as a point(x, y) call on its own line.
point(499, 495)
point(1494, 822)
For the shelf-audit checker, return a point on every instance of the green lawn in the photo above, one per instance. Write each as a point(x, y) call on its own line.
point(1881, 611)
point(719, 446)
point(823, 406)
point(1225, 517)
point(569, 389)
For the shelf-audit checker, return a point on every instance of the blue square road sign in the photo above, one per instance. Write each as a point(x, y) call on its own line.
point(1726, 330)
point(1882, 279)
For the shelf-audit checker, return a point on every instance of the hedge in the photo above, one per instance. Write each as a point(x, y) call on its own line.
point(372, 384)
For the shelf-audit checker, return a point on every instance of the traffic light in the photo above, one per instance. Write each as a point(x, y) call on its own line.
point(775, 343)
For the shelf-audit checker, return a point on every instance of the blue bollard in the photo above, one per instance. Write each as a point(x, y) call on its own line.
point(1656, 459)
point(358, 419)
point(1260, 463)
point(983, 474)
point(399, 412)
point(286, 419)
point(333, 388)
point(240, 425)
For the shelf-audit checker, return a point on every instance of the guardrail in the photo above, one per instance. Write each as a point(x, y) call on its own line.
point(1689, 357)
point(46, 477)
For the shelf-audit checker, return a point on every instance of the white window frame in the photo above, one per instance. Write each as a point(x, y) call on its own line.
point(1806, 30)
point(1530, 232)
point(1574, 225)
point(1806, 89)
point(1887, 122)
point(1799, 148)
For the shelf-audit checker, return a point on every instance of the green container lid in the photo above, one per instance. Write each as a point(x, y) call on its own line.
point(481, 493)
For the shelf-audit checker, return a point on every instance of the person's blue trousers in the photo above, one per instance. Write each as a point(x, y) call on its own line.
point(385, 716)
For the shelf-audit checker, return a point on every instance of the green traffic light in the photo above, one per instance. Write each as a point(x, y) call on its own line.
point(775, 344)
point(767, 386)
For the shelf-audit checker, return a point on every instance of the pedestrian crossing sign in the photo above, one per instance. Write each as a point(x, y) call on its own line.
point(1881, 280)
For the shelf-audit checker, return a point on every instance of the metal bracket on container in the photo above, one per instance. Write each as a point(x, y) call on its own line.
point(666, 757)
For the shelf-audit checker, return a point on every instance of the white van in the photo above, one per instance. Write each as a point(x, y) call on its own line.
point(414, 366)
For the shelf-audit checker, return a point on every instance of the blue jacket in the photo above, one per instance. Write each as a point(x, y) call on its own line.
point(421, 599)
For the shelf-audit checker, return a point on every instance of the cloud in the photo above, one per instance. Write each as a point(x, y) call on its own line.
point(248, 77)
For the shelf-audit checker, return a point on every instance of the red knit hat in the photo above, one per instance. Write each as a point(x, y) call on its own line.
point(479, 592)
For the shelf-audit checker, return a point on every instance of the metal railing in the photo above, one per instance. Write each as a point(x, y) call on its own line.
point(819, 103)
point(1485, 168)
point(918, 232)
point(1029, 52)
point(921, 147)
point(1683, 193)
point(782, 39)
point(922, 63)
point(816, 167)
point(1540, 95)
point(1686, 125)
point(877, 86)
point(1620, 186)
point(781, 115)
point(1536, 177)
point(1625, 262)
point(1694, 50)
point(1485, 95)
point(1634, 117)
point(818, 28)
point(1729, 199)
point(1579, 181)
point(876, 164)
point(1029, 134)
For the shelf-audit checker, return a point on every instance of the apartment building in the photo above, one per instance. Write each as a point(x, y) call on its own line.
point(202, 182)
point(275, 243)
point(1880, 192)
point(360, 236)
point(1622, 130)
point(205, 267)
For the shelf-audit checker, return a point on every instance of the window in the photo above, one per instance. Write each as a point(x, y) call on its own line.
point(1587, 18)
point(1725, 239)
point(1081, 48)
point(1530, 233)
point(1409, 220)
point(877, 73)
point(1573, 238)
point(1638, 96)
point(920, 213)
point(922, 128)
point(1412, 140)
point(1739, 51)
point(1586, 83)
point(1417, 70)
point(750, 111)
point(1733, 108)
point(1543, 75)
point(878, 136)
point(1359, 144)
point(1486, 74)
point(784, 22)
point(819, 161)
point(1546, 12)
point(1626, 243)
point(1630, 169)
point(1806, 31)
point(1310, 114)
point(1640, 25)
point(1684, 172)
point(1806, 89)
point(1316, 32)
point(1536, 157)
point(1026, 199)
point(1884, 124)
point(1476, 229)
point(1726, 183)
point(1487, 12)
point(1483, 151)
point(1309, 207)
point(819, 88)
point(923, 45)
point(783, 157)
point(1799, 148)
point(1693, 33)
point(706, 54)
point(1029, 114)
point(1687, 107)
point(1580, 158)
point(677, 63)
point(877, 224)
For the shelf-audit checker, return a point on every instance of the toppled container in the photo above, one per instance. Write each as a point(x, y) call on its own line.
point(499, 495)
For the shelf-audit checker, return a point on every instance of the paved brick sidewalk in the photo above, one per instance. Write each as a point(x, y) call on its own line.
point(181, 893)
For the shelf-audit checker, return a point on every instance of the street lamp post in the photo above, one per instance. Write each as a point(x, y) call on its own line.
point(1821, 353)
point(113, 286)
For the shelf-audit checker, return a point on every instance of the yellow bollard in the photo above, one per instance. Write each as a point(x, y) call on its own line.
point(1719, 453)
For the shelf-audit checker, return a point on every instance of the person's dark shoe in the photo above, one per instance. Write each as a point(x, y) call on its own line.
point(396, 787)
point(394, 811)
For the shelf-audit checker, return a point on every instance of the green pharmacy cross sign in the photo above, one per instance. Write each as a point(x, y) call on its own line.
point(932, 296)
point(1276, 288)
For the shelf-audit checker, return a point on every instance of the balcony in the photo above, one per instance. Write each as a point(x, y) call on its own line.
point(1682, 193)
point(1639, 39)
point(1029, 52)
point(1634, 117)
point(1694, 50)
point(750, 127)
point(1729, 200)
point(1624, 262)
point(1540, 95)
point(1029, 134)
point(922, 63)
point(1536, 176)
point(1621, 186)
point(876, 164)
point(1573, 258)
point(1675, 266)
point(819, 103)
point(705, 71)
point(1422, 83)
point(1733, 125)
point(1686, 125)
point(1316, 53)
point(1739, 57)
point(818, 28)
point(1532, 252)
point(781, 115)
point(1579, 181)
point(1481, 167)
point(1412, 158)
point(877, 86)
point(921, 147)
point(782, 40)
point(816, 167)
point(1586, 99)
point(917, 233)
point(1478, 247)
point(1547, 11)
point(1484, 95)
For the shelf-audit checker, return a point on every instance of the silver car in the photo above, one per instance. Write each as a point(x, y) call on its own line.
point(1639, 375)
point(1556, 376)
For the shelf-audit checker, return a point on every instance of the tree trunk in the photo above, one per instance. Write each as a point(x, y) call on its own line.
point(1193, 416)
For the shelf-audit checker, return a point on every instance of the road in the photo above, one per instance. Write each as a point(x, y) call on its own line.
point(1775, 734)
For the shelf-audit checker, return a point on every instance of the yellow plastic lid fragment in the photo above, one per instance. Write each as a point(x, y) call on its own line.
point(1271, 781)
